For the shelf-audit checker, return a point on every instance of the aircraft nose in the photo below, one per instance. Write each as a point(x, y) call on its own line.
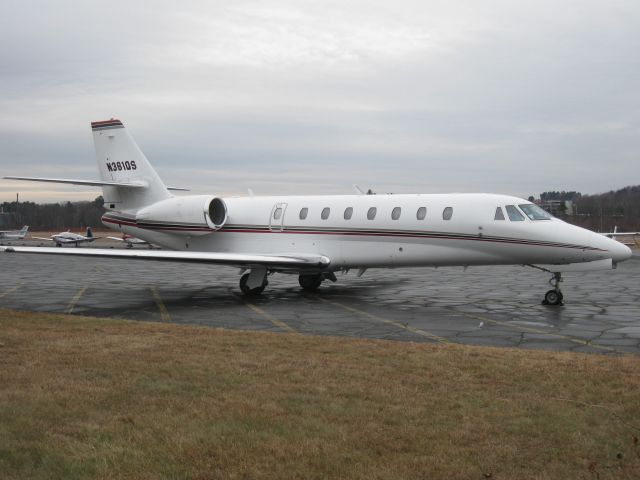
point(620, 252)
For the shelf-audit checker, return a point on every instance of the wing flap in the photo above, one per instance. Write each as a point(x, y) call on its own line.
point(237, 259)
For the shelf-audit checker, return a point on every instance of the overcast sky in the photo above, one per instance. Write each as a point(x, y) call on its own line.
point(314, 96)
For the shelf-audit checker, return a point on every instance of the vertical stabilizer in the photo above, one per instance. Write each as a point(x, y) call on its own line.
point(121, 160)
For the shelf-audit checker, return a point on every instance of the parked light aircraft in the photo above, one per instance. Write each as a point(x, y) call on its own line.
point(14, 234)
point(131, 241)
point(66, 238)
point(317, 236)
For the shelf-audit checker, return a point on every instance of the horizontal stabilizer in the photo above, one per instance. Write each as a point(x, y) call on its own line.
point(236, 259)
point(93, 183)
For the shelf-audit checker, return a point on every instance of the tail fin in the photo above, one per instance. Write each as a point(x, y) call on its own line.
point(120, 160)
point(24, 230)
point(89, 232)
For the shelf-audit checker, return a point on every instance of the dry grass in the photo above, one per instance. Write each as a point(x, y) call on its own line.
point(83, 397)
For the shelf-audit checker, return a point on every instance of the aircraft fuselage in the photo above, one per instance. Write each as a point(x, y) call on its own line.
point(394, 236)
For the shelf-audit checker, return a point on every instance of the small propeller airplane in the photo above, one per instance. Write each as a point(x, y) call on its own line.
point(316, 236)
point(66, 238)
point(131, 241)
point(14, 234)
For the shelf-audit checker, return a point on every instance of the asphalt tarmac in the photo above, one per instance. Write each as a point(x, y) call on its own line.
point(496, 306)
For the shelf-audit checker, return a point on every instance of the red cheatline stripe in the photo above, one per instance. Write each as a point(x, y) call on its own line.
point(363, 234)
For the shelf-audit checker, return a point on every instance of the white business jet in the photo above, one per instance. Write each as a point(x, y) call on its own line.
point(70, 238)
point(14, 234)
point(317, 236)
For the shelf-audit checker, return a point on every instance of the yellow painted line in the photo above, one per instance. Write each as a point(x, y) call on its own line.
point(75, 298)
point(271, 318)
point(164, 313)
point(409, 328)
point(11, 290)
point(536, 330)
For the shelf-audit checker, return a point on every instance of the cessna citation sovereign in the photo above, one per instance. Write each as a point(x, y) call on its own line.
point(317, 236)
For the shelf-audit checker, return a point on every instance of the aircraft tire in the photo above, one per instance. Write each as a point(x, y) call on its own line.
point(251, 291)
point(310, 282)
point(553, 297)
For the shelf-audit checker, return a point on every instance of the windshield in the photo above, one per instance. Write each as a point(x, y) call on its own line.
point(534, 212)
point(514, 214)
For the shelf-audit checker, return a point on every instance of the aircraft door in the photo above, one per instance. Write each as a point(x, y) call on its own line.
point(276, 219)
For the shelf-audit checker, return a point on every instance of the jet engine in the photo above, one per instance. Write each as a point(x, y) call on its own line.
point(192, 215)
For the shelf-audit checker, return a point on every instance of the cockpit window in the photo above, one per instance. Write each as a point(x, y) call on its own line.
point(499, 214)
point(534, 212)
point(514, 214)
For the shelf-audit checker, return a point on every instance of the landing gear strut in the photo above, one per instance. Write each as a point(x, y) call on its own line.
point(554, 297)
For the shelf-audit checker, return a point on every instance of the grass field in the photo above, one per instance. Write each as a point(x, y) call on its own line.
point(94, 398)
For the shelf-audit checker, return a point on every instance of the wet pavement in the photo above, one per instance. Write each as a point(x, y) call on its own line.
point(497, 306)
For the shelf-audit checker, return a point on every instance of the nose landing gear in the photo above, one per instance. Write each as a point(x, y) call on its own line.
point(554, 297)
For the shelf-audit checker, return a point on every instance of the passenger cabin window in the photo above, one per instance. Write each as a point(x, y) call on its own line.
point(499, 214)
point(348, 212)
point(371, 214)
point(514, 214)
point(421, 213)
point(277, 213)
point(325, 213)
point(303, 213)
point(395, 213)
point(534, 212)
point(447, 213)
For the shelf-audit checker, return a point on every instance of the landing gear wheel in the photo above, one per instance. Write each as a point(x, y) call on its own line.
point(310, 282)
point(251, 291)
point(553, 297)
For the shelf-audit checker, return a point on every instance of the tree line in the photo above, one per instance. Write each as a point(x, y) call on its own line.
point(604, 211)
point(52, 216)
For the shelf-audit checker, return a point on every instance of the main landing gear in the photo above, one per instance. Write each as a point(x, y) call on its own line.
point(554, 297)
point(310, 282)
point(254, 282)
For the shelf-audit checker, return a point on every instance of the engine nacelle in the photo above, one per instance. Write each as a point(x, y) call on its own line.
point(192, 215)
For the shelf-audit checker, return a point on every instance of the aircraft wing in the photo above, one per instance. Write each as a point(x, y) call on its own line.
point(293, 260)
point(42, 238)
point(93, 183)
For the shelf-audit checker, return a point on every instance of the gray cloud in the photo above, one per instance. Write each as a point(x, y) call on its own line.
point(311, 96)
